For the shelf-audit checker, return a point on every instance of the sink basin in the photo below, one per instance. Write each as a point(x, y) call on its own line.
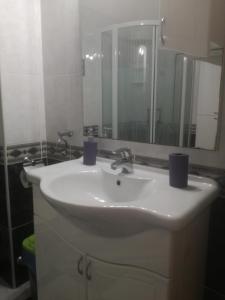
point(99, 200)
point(96, 187)
point(103, 202)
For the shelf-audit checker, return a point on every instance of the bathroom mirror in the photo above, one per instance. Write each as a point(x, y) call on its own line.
point(135, 90)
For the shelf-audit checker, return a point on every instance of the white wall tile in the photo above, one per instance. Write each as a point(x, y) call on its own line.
point(22, 71)
point(76, 102)
point(62, 68)
point(98, 14)
point(1, 125)
point(63, 106)
point(20, 36)
point(22, 108)
point(61, 46)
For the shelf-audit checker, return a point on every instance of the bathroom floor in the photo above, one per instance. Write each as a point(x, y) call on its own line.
point(21, 293)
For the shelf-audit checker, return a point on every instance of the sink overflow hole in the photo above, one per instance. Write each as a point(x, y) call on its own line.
point(118, 182)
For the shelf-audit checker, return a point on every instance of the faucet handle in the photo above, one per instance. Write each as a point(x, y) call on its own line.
point(125, 153)
point(68, 133)
point(27, 161)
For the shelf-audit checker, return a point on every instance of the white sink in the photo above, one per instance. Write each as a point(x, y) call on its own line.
point(103, 202)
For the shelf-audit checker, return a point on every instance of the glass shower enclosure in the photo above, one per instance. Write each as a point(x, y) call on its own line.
point(128, 68)
point(138, 91)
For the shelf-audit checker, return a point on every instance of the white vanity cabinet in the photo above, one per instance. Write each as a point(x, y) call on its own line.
point(193, 26)
point(72, 264)
point(65, 273)
point(89, 257)
point(60, 267)
point(110, 281)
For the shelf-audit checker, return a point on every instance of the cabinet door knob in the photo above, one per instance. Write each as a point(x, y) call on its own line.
point(80, 265)
point(162, 37)
point(88, 271)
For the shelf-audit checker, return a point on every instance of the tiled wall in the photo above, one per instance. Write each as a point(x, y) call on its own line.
point(22, 121)
point(15, 225)
point(22, 71)
point(16, 212)
point(62, 68)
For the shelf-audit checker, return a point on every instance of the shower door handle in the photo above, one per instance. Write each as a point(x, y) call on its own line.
point(83, 67)
point(162, 36)
point(80, 265)
point(88, 271)
point(148, 116)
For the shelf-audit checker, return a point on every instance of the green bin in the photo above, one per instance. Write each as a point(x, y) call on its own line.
point(28, 259)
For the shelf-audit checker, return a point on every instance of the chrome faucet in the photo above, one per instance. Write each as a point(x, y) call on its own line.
point(125, 162)
point(63, 141)
point(28, 161)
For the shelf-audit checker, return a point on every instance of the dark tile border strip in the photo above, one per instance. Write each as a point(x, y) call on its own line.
point(17, 153)
point(57, 152)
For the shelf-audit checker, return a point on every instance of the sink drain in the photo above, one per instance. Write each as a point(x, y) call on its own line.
point(118, 182)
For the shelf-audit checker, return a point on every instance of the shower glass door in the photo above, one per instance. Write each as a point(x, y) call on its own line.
point(173, 117)
point(128, 72)
point(135, 71)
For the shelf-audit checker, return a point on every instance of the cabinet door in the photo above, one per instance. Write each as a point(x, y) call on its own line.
point(208, 100)
point(57, 267)
point(186, 27)
point(206, 139)
point(115, 282)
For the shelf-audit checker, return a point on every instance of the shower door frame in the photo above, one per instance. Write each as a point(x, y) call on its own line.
point(115, 63)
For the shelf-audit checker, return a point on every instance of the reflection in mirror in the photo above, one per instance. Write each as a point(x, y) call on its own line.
point(107, 80)
point(136, 91)
point(135, 86)
point(118, 81)
point(188, 100)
